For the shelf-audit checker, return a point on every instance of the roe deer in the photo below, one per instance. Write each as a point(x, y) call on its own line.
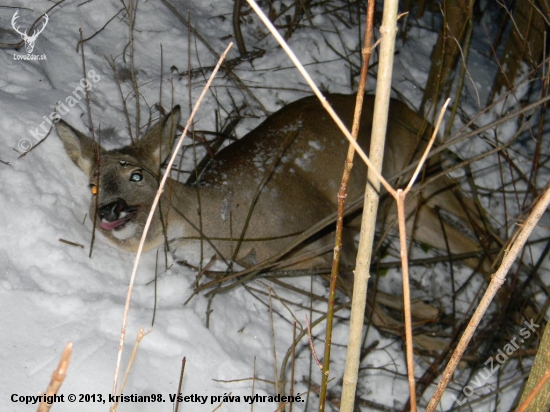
point(259, 193)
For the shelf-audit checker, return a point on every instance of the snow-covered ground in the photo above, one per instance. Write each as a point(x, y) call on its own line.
point(52, 293)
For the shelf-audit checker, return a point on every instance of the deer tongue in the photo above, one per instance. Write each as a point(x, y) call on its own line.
point(107, 225)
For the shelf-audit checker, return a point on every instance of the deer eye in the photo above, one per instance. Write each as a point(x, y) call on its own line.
point(136, 177)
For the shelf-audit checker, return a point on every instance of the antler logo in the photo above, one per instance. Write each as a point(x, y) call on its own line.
point(29, 40)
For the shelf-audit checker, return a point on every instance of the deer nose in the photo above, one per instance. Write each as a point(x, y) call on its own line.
point(111, 211)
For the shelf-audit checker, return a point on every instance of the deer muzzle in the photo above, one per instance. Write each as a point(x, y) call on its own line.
point(116, 214)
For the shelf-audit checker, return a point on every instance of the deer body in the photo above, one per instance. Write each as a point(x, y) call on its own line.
point(266, 188)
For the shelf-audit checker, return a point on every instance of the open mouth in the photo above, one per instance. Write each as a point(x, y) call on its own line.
point(126, 216)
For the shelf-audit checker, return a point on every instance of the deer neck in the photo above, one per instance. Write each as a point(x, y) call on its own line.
point(187, 215)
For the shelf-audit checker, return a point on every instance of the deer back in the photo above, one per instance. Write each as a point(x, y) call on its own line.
point(284, 176)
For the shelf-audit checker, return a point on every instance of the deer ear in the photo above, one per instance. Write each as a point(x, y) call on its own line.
point(78, 146)
point(157, 142)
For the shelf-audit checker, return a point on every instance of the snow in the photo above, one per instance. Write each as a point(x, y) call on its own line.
point(52, 293)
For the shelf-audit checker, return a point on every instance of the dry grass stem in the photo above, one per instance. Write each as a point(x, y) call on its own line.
point(139, 337)
point(58, 377)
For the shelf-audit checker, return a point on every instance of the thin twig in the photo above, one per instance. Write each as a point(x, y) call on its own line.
point(124, 105)
point(312, 346)
point(406, 297)
point(292, 364)
point(237, 27)
point(183, 361)
point(155, 293)
point(132, 15)
point(36, 145)
point(94, 142)
point(276, 374)
point(428, 147)
point(68, 242)
point(253, 383)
